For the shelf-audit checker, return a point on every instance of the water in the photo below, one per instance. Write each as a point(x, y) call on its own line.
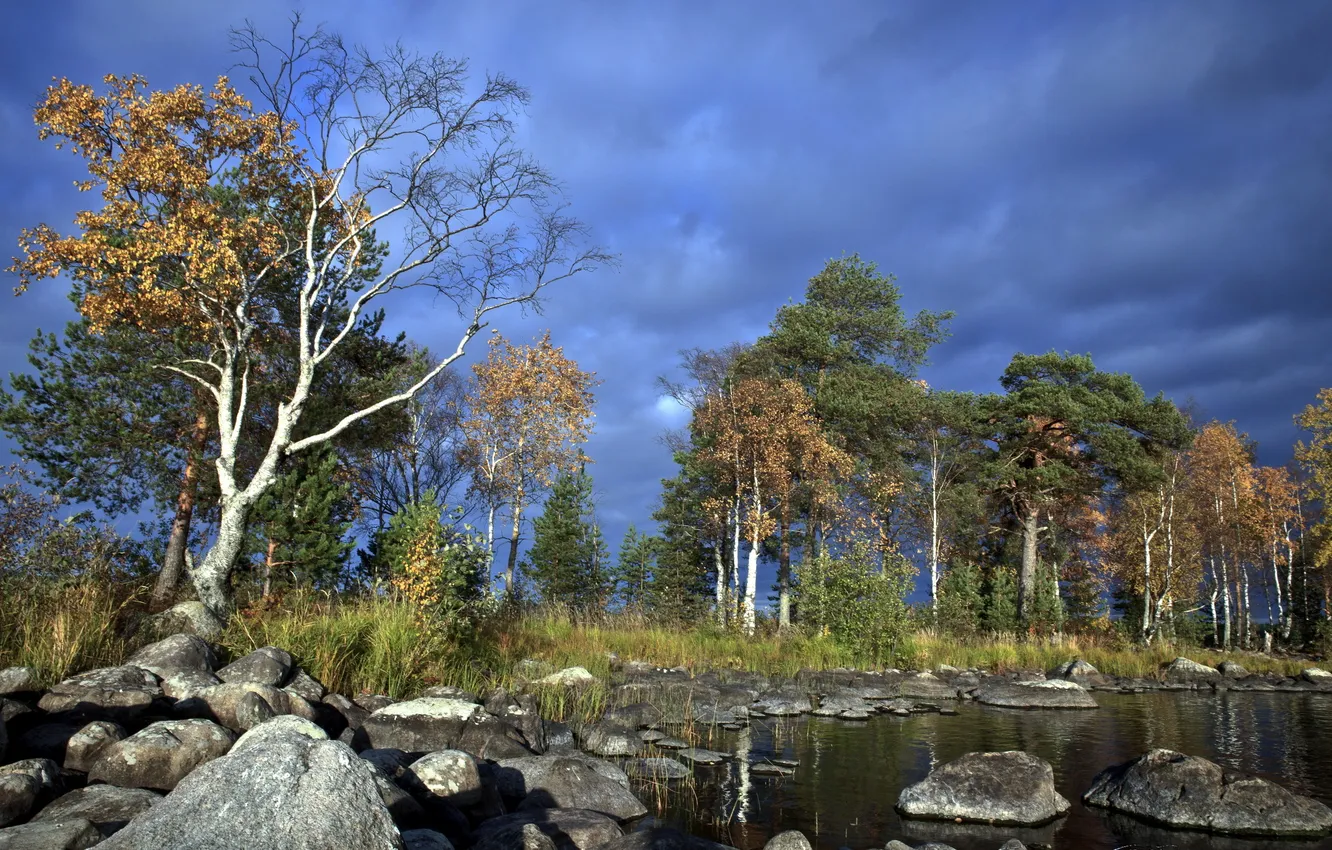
point(850, 773)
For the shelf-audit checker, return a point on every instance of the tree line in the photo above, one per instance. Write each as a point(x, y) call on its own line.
point(229, 378)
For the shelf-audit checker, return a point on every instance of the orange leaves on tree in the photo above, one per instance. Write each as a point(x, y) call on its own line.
point(199, 194)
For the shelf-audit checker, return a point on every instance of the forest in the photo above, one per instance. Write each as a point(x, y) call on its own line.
point(230, 388)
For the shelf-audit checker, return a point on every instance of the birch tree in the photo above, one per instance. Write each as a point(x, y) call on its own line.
point(207, 196)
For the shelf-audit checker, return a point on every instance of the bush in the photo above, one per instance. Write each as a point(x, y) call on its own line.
point(858, 599)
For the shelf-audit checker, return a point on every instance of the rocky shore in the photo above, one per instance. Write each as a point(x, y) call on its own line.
point(175, 749)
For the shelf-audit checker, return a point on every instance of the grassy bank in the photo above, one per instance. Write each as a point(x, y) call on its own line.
point(379, 645)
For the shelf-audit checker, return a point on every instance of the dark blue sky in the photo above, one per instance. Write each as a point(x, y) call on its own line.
point(1150, 182)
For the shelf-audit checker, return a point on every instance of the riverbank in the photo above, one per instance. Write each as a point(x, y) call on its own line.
point(380, 646)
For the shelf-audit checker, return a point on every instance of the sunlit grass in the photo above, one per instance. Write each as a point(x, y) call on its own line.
point(65, 628)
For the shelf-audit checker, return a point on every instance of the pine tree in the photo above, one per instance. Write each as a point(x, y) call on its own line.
point(960, 605)
point(635, 570)
point(1001, 613)
point(304, 519)
point(567, 558)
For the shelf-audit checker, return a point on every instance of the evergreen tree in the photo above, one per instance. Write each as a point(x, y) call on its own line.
point(689, 572)
point(567, 561)
point(304, 521)
point(437, 566)
point(1001, 612)
point(960, 605)
point(634, 572)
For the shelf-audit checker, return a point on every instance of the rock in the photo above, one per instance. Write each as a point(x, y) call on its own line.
point(418, 726)
point(188, 684)
point(19, 680)
point(570, 829)
point(191, 618)
point(790, 840)
point(402, 807)
point(162, 754)
point(123, 694)
point(83, 748)
point(12, 709)
point(926, 686)
point(1182, 671)
point(569, 677)
point(1232, 670)
point(1010, 788)
point(352, 714)
point(487, 736)
point(1054, 693)
point(527, 836)
point(1317, 676)
point(4, 737)
point(610, 739)
point(107, 807)
point(669, 743)
point(560, 782)
point(291, 792)
point(698, 755)
point(222, 704)
point(639, 715)
point(373, 702)
point(303, 685)
point(521, 713)
point(47, 740)
point(449, 775)
point(656, 768)
point(267, 665)
point(1188, 792)
point(252, 710)
point(179, 653)
point(72, 834)
point(393, 763)
point(770, 768)
point(425, 839)
point(450, 692)
point(1076, 670)
point(650, 736)
point(784, 702)
point(18, 796)
point(284, 724)
point(1012, 844)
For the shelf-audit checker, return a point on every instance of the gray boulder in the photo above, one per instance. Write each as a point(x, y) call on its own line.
point(285, 724)
point(698, 755)
point(46, 740)
point(267, 665)
point(161, 754)
point(569, 677)
point(1183, 671)
point(418, 726)
point(305, 686)
point(107, 807)
point(1053, 693)
point(231, 705)
point(425, 839)
point(926, 686)
point(83, 748)
point(1188, 792)
point(1010, 788)
point(605, 738)
point(290, 793)
point(545, 782)
point(487, 736)
point(191, 617)
point(792, 839)
point(351, 713)
point(448, 775)
point(666, 838)
point(187, 684)
point(1232, 670)
point(656, 768)
point(1317, 676)
point(450, 692)
point(526, 836)
point(4, 739)
point(72, 834)
point(18, 796)
point(123, 694)
point(179, 653)
point(19, 680)
point(569, 829)
point(784, 702)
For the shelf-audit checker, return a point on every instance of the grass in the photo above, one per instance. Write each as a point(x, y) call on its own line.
point(378, 645)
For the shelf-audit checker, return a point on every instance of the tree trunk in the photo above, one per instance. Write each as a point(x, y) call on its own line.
point(212, 578)
point(269, 558)
point(751, 577)
point(174, 562)
point(735, 558)
point(719, 564)
point(490, 544)
point(1225, 600)
point(1146, 583)
point(934, 531)
point(1027, 577)
point(784, 573)
point(513, 545)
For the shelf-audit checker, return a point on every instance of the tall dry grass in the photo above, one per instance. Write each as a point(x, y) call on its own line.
point(62, 628)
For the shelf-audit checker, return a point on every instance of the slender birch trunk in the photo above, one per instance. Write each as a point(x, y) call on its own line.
point(174, 562)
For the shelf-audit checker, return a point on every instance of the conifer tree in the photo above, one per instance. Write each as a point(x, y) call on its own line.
point(567, 561)
point(304, 519)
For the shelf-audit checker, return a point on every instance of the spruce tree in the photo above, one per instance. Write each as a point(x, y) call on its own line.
point(303, 520)
point(567, 558)
point(635, 570)
point(960, 605)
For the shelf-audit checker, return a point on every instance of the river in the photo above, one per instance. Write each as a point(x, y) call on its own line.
point(850, 773)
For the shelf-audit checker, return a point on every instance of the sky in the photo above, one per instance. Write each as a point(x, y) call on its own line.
point(1147, 182)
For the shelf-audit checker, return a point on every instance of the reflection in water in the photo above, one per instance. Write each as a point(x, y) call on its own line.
point(850, 772)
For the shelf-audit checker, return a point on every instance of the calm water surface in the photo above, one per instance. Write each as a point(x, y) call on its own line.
point(850, 773)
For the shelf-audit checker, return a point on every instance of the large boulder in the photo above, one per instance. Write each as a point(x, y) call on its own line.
point(232, 705)
point(487, 736)
point(289, 793)
point(418, 726)
point(525, 836)
point(285, 724)
point(448, 775)
point(606, 738)
point(1183, 671)
point(85, 745)
point(783, 702)
point(926, 686)
point(545, 782)
point(1188, 792)
point(123, 694)
point(19, 680)
point(1052, 693)
point(179, 653)
point(192, 617)
point(186, 684)
point(569, 677)
point(4, 739)
point(267, 665)
point(161, 754)
point(1010, 788)
point(666, 838)
point(570, 829)
point(26, 785)
point(70, 834)
point(107, 807)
